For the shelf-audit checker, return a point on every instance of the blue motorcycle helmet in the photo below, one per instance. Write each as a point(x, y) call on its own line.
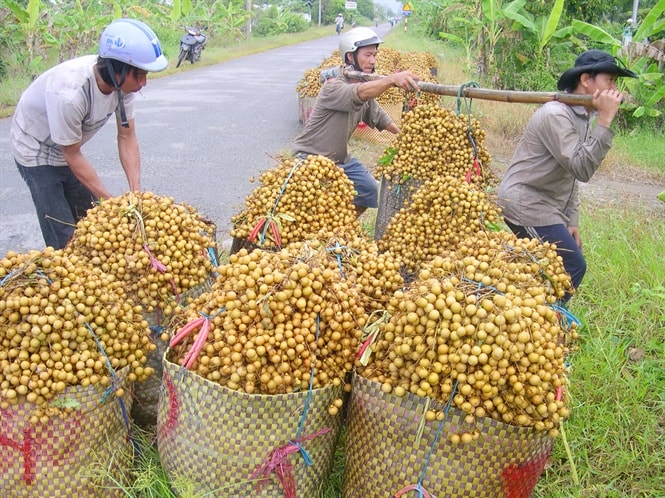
point(134, 43)
point(125, 44)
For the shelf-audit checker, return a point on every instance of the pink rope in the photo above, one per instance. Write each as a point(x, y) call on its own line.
point(159, 266)
point(172, 418)
point(278, 462)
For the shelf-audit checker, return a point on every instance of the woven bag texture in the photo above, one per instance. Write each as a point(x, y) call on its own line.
point(146, 393)
point(63, 457)
point(365, 133)
point(305, 106)
point(215, 438)
point(392, 197)
point(384, 454)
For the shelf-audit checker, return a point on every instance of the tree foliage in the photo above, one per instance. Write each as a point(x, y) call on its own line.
point(525, 45)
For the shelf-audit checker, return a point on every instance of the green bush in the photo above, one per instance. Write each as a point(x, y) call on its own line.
point(519, 68)
point(274, 22)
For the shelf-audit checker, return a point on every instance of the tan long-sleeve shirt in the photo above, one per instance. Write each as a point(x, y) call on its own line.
point(336, 113)
point(559, 148)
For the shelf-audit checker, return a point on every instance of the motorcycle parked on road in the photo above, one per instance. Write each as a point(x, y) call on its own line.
point(192, 44)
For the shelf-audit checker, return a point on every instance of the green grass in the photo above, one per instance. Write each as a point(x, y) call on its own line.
point(646, 148)
point(618, 375)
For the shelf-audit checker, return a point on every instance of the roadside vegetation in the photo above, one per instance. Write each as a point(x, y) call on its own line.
point(612, 444)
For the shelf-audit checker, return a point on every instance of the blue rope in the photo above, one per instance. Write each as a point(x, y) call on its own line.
point(123, 409)
point(570, 318)
point(436, 439)
point(213, 258)
point(338, 256)
point(7, 277)
point(301, 425)
point(210, 317)
point(481, 285)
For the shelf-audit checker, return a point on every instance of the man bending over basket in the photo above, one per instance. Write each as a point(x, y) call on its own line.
point(64, 108)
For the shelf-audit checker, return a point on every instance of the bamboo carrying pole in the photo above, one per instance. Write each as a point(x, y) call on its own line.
point(485, 93)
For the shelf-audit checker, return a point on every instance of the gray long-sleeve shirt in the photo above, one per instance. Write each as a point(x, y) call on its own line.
point(336, 113)
point(559, 148)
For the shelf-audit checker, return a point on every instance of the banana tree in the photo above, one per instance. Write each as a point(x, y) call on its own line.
point(77, 26)
point(465, 27)
point(34, 34)
point(492, 14)
point(180, 8)
point(649, 88)
point(543, 29)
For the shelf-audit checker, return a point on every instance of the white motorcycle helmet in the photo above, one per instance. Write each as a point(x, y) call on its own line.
point(352, 40)
point(133, 42)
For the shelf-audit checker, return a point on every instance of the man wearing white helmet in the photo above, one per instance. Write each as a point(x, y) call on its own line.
point(64, 108)
point(342, 103)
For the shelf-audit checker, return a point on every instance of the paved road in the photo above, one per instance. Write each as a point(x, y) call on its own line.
point(203, 134)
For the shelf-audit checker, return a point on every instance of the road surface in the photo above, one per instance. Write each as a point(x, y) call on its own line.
point(203, 134)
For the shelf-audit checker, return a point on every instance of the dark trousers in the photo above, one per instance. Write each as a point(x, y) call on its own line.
point(567, 248)
point(60, 200)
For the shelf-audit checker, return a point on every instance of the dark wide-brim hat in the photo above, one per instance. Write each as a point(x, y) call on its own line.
point(592, 61)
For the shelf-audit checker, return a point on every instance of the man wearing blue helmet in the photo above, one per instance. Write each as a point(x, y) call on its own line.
point(64, 108)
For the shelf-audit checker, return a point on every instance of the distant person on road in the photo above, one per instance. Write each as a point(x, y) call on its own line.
point(64, 108)
point(561, 147)
point(342, 103)
point(339, 23)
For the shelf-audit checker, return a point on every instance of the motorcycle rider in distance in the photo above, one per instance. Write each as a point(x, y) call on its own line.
point(64, 108)
point(339, 23)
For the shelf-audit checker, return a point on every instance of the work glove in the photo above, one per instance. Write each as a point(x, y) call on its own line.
point(330, 73)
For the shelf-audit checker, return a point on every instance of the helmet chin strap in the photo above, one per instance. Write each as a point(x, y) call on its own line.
point(121, 103)
point(356, 66)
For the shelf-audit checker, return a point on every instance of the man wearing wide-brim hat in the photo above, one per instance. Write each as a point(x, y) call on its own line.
point(562, 145)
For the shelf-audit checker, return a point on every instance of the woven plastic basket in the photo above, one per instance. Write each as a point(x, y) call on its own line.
point(305, 106)
point(392, 198)
point(365, 133)
point(146, 393)
point(388, 449)
point(216, 439)
point(63, 457)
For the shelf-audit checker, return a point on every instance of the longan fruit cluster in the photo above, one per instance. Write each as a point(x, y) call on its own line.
point(64, 323)
point(439, 215)
point(158, 248)
point(483, 330)
point(278, 322)
point(298, 198)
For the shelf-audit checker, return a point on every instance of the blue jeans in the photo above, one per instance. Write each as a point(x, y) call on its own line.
point(567, 248)
point(367, 188)
point(60, 200)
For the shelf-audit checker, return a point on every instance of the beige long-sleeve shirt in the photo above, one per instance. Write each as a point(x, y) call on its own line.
point(336, 113)
point(559, 148)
